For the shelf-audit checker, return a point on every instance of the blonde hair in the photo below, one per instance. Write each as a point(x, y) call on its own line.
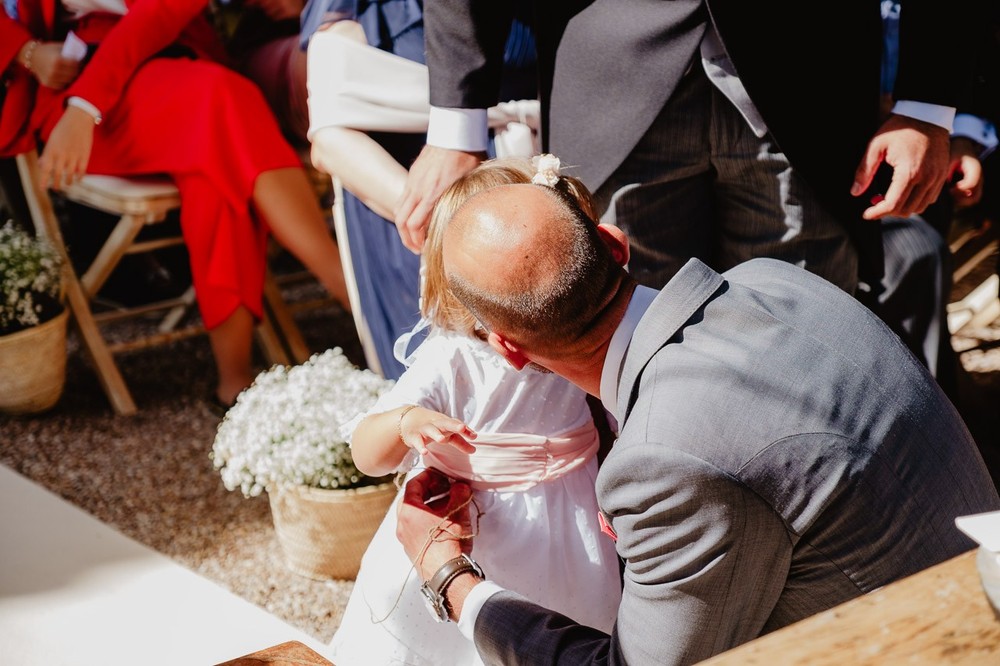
point(438, 304)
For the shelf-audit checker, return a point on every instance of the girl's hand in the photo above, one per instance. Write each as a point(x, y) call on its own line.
point(418, 427)
point(48, 65)
point(64, 159)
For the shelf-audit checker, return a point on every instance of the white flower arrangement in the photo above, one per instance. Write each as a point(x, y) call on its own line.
point(30, 280)
point(285, 429)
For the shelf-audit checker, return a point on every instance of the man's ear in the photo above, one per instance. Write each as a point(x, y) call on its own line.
point(616, 241)
point(511, 353)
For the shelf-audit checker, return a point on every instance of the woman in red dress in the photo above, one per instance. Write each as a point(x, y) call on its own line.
point(157, 97)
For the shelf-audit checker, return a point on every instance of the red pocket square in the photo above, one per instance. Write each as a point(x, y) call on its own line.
point(606, 526)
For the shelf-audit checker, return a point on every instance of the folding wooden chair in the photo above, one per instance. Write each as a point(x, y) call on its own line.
point(139, 202)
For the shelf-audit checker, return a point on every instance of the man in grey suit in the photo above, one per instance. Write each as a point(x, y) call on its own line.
point(780, 450)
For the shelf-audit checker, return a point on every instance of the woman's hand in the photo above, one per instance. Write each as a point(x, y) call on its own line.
point(418, 427)
point(47, 64)
point(64, 159)
point(278, 10)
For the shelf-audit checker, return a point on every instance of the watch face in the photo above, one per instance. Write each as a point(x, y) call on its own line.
point(435, 603)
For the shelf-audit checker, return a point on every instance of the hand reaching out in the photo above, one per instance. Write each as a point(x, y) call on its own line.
point(434, 170)
point(418, 427)
point(918, 153)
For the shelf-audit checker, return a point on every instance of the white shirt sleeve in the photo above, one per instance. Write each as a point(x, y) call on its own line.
point(935, 114)
point(473, 604)
point(978, 129)
point(458, 129)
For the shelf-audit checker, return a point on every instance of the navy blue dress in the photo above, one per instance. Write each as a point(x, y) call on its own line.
point(386, 272)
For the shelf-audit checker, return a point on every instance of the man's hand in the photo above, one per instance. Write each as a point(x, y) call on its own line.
point(432, 172)
point(918, 154)
point(968, 189)
point(49, 66)
point(434, 533)
point(67, 152)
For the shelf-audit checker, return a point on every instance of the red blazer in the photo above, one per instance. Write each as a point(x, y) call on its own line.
point(30, 111)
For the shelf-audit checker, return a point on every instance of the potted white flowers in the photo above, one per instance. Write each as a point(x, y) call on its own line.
point(283, 437)
point(32, 323)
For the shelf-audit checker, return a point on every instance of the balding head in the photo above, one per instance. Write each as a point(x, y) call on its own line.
point(530, 264)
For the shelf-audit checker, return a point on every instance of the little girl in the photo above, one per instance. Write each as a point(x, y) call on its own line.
point(526, 443)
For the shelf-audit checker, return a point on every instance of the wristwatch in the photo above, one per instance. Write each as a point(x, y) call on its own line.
point(434, 589)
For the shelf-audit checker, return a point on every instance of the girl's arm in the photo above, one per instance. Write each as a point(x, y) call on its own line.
point(381, 441)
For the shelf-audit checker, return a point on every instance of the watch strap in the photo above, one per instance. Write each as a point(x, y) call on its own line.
point(450, 570)
point(434, 589)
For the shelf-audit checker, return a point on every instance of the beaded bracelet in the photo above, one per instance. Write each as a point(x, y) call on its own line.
point(30, 51)
point(399, 424)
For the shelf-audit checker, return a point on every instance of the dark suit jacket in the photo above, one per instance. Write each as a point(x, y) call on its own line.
point(608, 66)
point(781, 452)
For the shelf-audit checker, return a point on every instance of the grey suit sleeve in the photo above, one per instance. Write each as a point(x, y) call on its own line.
point(465, 45)
point(706, 560)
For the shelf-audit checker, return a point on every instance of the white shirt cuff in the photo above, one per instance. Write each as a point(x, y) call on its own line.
point(978, 129)
point(83, 104)
point(457, 129)
point(473, 604)
point(935, 114)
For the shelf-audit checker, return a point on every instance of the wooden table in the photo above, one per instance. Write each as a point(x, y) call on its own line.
point(938, 616)
point(292, 653)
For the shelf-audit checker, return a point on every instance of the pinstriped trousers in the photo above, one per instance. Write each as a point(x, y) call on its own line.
point(701, 184)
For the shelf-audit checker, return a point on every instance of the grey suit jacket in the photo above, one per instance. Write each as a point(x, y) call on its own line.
point(781, 452)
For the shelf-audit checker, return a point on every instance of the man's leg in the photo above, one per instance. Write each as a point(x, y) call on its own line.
point(661, 196)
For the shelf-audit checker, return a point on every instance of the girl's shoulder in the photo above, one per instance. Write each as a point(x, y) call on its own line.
point(442, 345)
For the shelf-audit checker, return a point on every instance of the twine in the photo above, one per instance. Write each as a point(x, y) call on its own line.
point(434, 534)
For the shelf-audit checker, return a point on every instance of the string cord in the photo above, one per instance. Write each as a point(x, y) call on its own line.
point(436, 533)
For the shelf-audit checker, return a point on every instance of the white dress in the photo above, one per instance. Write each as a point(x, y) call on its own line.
point(539, 533)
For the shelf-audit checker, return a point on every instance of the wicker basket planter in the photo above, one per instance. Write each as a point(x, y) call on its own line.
point(33, 367)
point(324, 533)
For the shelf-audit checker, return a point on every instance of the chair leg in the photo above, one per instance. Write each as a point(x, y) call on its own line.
point(46, 225)
point(284, 322)
point(122, 236)
point(343, 242)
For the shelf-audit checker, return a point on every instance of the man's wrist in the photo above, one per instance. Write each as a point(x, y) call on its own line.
point(443, 603)
point(457, 591)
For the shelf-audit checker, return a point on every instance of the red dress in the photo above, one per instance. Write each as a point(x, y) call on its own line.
point(195, 119)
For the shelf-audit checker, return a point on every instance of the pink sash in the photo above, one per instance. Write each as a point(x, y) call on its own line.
point(515, 461)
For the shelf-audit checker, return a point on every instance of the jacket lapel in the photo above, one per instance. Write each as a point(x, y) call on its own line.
point(684, 295)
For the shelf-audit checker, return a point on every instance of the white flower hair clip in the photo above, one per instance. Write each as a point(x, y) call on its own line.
point(546, 168)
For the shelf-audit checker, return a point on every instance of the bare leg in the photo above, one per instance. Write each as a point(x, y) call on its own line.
point(232, 343)
point(287, 201)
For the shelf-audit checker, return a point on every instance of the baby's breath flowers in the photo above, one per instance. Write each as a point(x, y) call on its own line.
point(285, 428)
point(30, 280)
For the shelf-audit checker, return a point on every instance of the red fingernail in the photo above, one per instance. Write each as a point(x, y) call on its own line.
point(877, 199)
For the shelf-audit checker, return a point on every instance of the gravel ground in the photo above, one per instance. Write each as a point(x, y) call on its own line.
point(150, 476)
